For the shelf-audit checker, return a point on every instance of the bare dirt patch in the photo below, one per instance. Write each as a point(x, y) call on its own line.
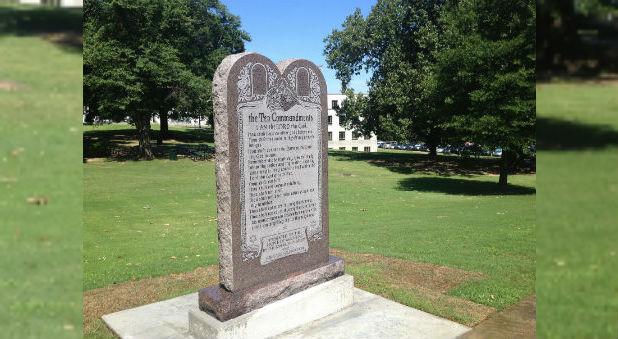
point(517, 321)
point(427, 283)
point(460, 310)
point(408, 274)
point(122, 296)
point(10, 85)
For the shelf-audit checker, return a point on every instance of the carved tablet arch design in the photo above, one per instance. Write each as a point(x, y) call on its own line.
point(259, 80)
point(302, 82)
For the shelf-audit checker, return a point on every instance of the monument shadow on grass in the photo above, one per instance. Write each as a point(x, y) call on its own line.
point(461, 186)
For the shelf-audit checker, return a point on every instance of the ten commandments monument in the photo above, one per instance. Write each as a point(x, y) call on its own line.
point(276, 276)
point(272, 184)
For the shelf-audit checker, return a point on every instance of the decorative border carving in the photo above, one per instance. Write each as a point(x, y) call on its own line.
point(314, 85)
point(245, 94)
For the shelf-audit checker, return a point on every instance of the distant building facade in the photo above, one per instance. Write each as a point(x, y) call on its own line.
point(341, 138)
point(193, 122)
point(59, 3)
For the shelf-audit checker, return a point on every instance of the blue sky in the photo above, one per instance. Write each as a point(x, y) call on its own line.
point(295, 29)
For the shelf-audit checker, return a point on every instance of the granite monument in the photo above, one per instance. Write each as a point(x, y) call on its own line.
point(276, 276)
point(272, 183)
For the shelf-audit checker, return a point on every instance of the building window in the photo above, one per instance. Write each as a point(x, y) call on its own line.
point(355, 135)
point(341, 135)
point(342, 148)
point(334, 104)
point(355, 148)
point(330, 136)
point(367, 149)
point(330, 119)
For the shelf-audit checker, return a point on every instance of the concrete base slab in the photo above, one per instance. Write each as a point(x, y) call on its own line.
point(374, 317)
point(370, 316)
point(161, 320)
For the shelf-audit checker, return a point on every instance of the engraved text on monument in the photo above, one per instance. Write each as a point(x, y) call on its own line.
point(280, 163)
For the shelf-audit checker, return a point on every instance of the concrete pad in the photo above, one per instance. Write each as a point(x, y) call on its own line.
point(161, 320)
point(370, 316)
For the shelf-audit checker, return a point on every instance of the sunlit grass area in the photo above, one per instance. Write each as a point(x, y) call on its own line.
point(148, 219)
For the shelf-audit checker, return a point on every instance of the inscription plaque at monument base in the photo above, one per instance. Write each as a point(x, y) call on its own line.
point(272, 183)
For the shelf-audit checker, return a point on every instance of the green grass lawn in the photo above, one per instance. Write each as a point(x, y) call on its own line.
point(456, 221)
point(577, 287)
point(145, 219)
point(40, 161)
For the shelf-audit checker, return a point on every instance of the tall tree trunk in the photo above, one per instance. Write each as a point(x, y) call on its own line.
point(211, 120)
point(163, 130)
point(163, 127)
point(504, 167)
point(432, 144)
point(432, 150)
point(142, 124)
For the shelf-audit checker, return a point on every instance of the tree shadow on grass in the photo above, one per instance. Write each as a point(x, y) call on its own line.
point(191, 135)
point(461, 186)
point(122, 144)
point(405, 162)
point(559, 134)
point(62, 26)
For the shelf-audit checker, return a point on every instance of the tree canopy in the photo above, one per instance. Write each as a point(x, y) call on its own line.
point(486, 75)
point(148, 56)
point(443, 71)
point(396, 43)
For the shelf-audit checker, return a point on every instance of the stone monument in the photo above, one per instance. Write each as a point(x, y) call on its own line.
point(276, 277)
point(272, 189)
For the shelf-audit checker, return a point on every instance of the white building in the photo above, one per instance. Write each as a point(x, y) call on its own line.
point(341, 138)
point(185, 122)
point(59, 3)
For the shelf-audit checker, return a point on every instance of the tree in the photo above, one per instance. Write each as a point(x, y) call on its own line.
point(458, 70)
point(145, 57)
point(396, 42)
point(486, 74)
